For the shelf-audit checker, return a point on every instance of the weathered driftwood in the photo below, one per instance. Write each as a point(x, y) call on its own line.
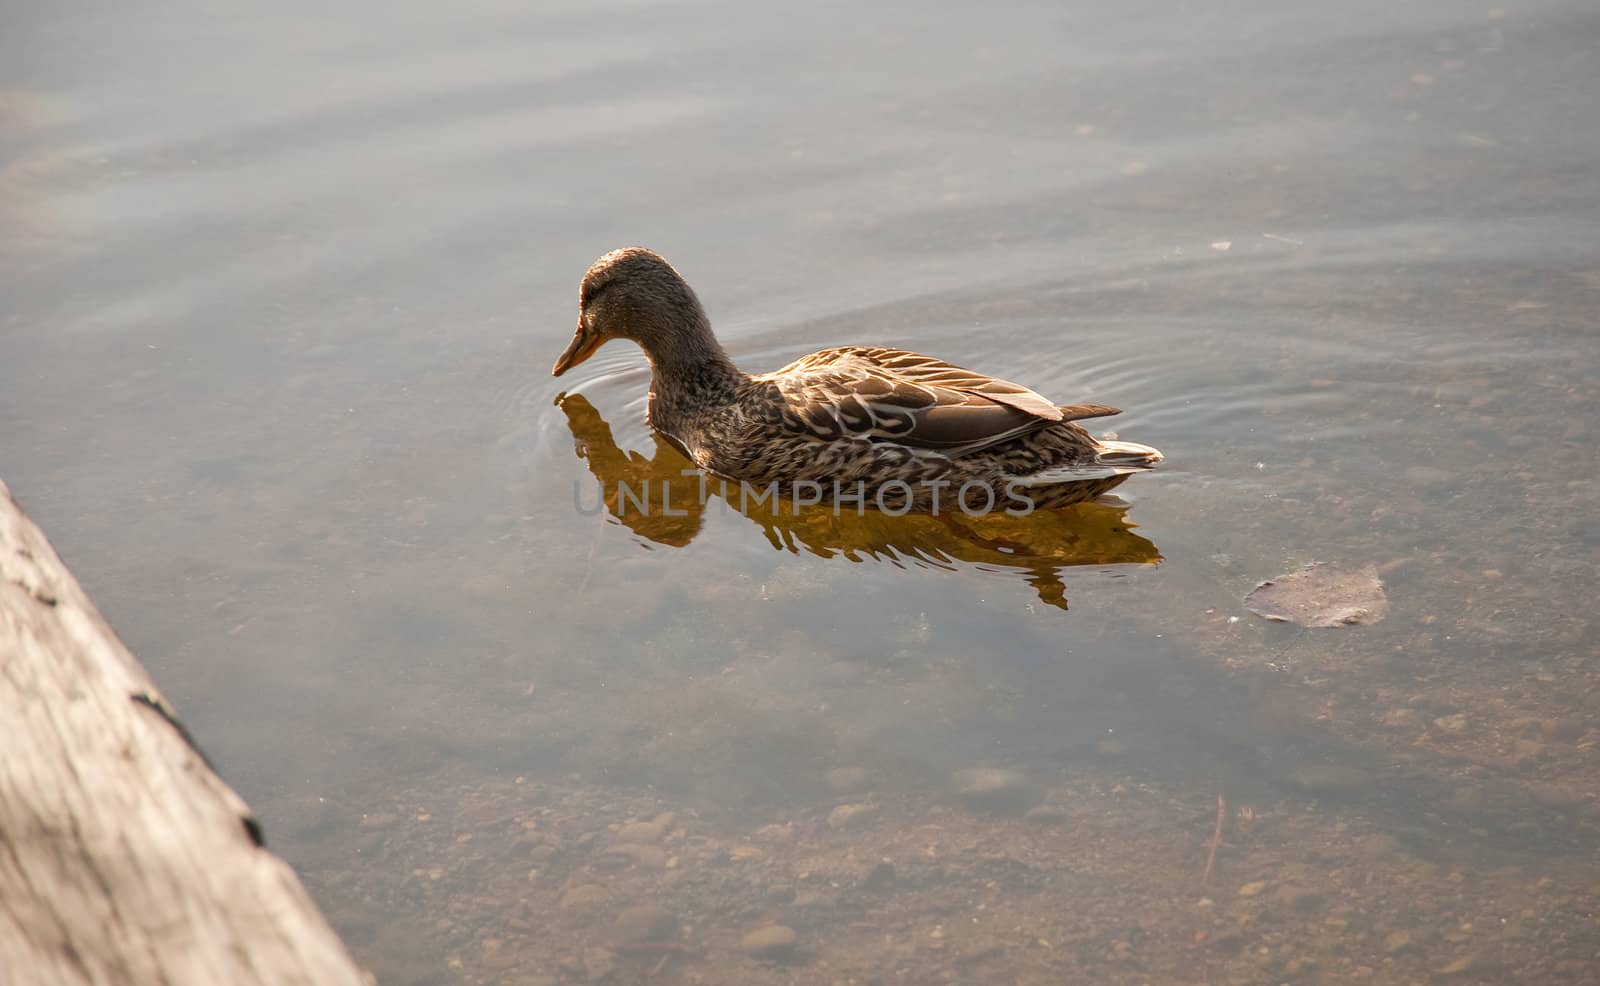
point(123, 858)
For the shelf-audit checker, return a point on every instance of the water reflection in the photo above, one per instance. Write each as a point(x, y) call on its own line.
point(1034, 547)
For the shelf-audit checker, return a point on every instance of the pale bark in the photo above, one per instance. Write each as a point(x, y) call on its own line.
point(124, 859)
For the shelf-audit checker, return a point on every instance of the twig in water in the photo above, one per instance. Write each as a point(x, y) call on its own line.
point(1216, 839)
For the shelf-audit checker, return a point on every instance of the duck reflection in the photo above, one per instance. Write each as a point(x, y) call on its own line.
point(663, 499)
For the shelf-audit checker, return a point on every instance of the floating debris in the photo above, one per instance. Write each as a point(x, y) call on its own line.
point(1321, 595)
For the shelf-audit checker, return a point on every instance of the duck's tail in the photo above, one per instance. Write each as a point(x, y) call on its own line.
point(1128, 455)
point(1110, 459)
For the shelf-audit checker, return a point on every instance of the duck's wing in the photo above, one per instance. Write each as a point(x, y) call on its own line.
point(911, 399)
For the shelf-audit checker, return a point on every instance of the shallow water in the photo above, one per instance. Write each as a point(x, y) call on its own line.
point(282, 291)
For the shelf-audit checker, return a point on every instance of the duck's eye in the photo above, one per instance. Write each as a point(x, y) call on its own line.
point(589, 293)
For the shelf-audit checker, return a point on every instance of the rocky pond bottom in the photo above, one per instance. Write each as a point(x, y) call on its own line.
point(993, 877)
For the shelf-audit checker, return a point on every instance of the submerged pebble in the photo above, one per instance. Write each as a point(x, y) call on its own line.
point(1561, 729)
point(585, 897)
point(771, 941)
point(880, 877)
point(653, 857)
point(1330, 779)
point(847, 815)
point(644, 923)
point(645, 832)
point(1301, 899)
point(1046, 814)
point(994, 790)
point(598, 963)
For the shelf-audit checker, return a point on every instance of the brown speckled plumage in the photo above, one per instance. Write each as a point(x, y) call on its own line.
point(890, 424)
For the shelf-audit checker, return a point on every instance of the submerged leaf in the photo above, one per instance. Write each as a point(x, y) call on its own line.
point(1321, 595)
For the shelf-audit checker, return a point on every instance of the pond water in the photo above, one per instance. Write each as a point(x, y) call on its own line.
point(282, 288)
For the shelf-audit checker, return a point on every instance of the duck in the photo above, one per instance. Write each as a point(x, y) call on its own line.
point(864, 425)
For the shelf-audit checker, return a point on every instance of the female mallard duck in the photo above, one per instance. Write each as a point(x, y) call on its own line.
point(895, 428)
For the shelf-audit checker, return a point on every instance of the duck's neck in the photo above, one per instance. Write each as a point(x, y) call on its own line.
point(691, 373)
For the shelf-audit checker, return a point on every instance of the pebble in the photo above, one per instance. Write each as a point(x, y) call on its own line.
point(585, 897)
point(653, 857)
point(1301, 899)
point(772, 941)
point(978, 952)
point(497, 957)
point(644, 923)
point(1462, 966)
point(598, 963)
point(1556, 796)
point(880, 877)
point(1330, 779)
point(1251, 889)
point(1429, 475)
point(845, 815)
point(1451, 724)
point(776, 832)
point(847, 780)
point(1228, 942)
point(1468, 799)
point(645, 832)
point(1396, 942)
point(1560, 729)
point(1400, 718)
point(993, 790)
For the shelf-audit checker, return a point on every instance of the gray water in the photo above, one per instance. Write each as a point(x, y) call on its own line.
point(282, 288)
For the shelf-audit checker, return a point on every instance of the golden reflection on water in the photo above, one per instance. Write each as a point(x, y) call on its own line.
point(1034, 547)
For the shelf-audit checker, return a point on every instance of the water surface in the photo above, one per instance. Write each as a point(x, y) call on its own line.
point(283, 287)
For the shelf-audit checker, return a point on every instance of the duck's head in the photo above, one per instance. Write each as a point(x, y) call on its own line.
point(634, 294)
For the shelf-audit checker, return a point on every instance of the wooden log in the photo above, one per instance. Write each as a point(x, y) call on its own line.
point(124, 859)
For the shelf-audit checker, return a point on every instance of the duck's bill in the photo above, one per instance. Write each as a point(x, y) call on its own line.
point(583, 345)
